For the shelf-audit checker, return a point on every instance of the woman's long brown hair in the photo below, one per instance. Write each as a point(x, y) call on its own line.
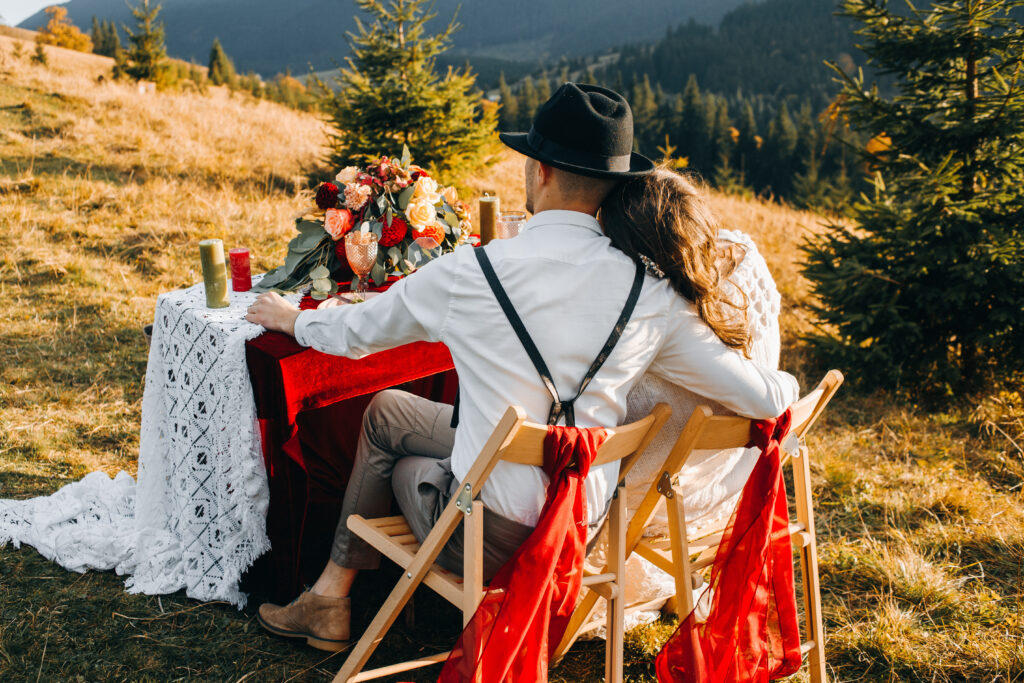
point(663, 217)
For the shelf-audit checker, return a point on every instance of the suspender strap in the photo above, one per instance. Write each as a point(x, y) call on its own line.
point(559, 408)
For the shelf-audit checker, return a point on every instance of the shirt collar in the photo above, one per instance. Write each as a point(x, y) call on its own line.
point(562, 217)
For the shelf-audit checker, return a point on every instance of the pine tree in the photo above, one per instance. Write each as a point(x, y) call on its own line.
point(509, 114)
point(391, 94)
point(105, 40)
point(926, 292)
point(528, 103)
point(694, 134)
point(145, 58)
point(222, 69)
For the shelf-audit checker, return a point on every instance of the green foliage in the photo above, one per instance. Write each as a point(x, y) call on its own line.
point(105, 40)
point(39, 56)
point(222, 69)
point(145, 58)
point(927, 290)
point(391, 94)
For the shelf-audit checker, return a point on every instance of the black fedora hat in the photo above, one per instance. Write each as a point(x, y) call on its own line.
point(583, 129)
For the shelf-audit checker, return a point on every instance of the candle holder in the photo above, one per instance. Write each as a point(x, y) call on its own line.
point(490, 205)
point(241, 275)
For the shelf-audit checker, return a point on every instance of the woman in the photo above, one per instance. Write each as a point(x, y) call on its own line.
point(663, 220)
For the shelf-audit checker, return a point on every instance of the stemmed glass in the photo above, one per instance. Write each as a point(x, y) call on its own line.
point(361, 252)
point(509, 224)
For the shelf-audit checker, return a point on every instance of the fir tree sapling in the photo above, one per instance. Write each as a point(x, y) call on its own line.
point(391, 95)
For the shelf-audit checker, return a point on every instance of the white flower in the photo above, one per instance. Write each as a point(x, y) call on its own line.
point(347, 174)
point(357, 195)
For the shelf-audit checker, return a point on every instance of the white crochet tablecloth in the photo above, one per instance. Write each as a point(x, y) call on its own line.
point(196, 518)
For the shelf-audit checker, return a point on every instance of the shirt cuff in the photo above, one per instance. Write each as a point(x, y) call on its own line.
point(301, 322)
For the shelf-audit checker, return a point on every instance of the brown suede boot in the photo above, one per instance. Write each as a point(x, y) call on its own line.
point(323, 622)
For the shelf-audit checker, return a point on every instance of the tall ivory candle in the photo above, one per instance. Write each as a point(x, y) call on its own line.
point(489, 207)
point(211, 253)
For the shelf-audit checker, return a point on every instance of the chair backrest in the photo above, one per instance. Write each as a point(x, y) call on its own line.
point(518, 441)
point(705, 431)
point(622, 443)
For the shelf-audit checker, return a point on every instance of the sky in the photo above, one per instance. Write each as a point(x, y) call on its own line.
point(16, 11)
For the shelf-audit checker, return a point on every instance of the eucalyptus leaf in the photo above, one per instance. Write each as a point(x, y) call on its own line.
point(378, 274)
point(377, 228)
point(406, 156)
point(304, 226)
point(318, 295)
point(404, 197)
point(395, 254)
point(388, 216)
point(322, 284)
point(334, 287)
point(319, 272)
point(451, 220)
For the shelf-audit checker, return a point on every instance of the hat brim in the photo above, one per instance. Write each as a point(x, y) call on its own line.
point(639, 165)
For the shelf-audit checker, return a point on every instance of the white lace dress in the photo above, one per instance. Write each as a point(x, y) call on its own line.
point(711, 480)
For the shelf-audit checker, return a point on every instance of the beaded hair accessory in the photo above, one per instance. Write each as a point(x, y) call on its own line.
point(651, 266)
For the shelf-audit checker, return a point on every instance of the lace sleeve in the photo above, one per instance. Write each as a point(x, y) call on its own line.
point(763, 301)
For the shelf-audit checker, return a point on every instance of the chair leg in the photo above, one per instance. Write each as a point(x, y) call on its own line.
point(374, 633)
point(682, 574)
point(472, 562)
point(809, 567)
point(614, 642)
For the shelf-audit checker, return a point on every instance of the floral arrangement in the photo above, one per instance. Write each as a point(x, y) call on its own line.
point(397, 200)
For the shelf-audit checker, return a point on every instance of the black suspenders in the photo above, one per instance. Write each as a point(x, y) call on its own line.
point(559, 408)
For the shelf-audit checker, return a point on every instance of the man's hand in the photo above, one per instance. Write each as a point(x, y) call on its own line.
point(273, 312)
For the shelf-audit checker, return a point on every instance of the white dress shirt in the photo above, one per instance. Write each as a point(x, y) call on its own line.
point(569, 286)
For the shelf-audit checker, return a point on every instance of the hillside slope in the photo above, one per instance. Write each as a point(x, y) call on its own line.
point(104, 195)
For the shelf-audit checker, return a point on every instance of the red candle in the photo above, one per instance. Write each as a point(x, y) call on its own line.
point(241, 278)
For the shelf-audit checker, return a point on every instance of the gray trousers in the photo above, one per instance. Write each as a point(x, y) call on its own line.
point(404, 454)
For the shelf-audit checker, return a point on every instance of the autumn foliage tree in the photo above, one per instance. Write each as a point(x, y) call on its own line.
point(926, 289)
point(61, 32)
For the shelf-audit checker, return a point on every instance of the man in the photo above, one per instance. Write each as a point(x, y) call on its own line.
point(568, 285)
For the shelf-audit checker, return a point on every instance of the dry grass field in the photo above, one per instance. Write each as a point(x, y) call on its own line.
point(104, 194)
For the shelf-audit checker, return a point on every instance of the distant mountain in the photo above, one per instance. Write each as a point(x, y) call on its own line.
point(269, 36)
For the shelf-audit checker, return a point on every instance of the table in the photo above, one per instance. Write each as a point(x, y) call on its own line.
point(224, 460)
point(310, 407)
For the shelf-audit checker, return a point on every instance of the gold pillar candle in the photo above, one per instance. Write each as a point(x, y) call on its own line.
point(215, 278)
point(489, 208)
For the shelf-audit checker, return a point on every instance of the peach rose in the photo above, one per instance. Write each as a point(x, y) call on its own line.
point(357, 195)
point(337, 222)
point(426, 188)
point(450, 195)
point(347, 174)
point(421, 213)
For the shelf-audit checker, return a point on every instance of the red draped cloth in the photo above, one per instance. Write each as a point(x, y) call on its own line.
point(751, 634)
point(527, 606)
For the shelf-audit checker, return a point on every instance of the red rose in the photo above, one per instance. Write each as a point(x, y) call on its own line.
point(327, 196)
point(394, 233)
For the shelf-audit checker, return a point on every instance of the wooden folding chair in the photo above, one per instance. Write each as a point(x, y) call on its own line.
point(513, 440)
point(681, 554)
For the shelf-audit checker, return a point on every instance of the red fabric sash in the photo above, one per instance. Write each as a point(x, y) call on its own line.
point(751, 634)
point(528, 604)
